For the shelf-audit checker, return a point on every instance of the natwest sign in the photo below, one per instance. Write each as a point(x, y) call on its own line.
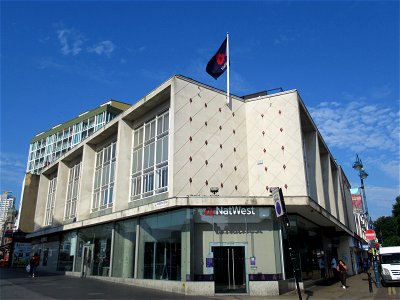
point(229, 211)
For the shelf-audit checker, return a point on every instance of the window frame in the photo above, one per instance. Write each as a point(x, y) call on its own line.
point(50, 203)
point(104, 178)
point(149, 158)
point(73, 191)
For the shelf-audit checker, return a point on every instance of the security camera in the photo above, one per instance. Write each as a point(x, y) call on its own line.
point(214, 190)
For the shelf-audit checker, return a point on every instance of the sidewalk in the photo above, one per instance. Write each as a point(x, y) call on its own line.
point(357, 288)
point(16, 284)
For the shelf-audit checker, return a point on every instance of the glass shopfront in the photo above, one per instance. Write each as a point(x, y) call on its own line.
point(307, 241)
point(162, 245)
point(67, 252)
point(230, 245)
point(234, 245)
point(96, 241)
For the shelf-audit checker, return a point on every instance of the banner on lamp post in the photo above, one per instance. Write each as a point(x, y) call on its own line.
point(357, 203)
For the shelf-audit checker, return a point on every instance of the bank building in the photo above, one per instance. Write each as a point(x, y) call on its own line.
point(174, 193)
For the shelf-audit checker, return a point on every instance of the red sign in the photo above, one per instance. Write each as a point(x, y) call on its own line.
point(370, 234)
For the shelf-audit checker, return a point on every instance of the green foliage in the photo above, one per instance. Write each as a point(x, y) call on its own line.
point(396, 213)
point(396, 208)
point(394, 240)
point(388, 228)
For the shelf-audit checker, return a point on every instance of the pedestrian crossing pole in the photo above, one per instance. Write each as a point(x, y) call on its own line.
point(280, 209)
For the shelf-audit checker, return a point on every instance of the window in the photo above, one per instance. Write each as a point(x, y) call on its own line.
point(100, 120)
point(50, 201)
point(72, 192)
point(161, 180)
point(149, 173)
point(104, 178)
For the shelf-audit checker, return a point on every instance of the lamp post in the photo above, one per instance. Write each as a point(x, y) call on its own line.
point(358, 166)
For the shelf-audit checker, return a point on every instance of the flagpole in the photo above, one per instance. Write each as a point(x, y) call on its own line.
point(227, 74)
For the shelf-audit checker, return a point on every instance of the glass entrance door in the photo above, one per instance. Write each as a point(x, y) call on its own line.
point(87, 260)
point(229, 269)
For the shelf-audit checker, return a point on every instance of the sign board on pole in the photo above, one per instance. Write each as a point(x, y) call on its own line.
point(370, 234)
point(280, 207)
point(357, 203)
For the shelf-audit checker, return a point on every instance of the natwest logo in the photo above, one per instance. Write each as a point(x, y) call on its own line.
point(231, 210)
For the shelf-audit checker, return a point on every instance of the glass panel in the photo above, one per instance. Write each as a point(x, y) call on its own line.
point(124, 249)
point(135, 166)
point(111, 197)
point(159, 151)
point(146, 157)
point(151, 154)
point(100, 237)
point(67, 251)
point(165, 149)
point(112, 172)
point(160, 252)
point(136, 184)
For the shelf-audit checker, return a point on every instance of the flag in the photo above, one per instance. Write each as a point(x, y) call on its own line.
point(219, 62)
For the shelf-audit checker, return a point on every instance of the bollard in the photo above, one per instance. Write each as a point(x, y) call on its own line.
point(376, 271)
point(370, 282)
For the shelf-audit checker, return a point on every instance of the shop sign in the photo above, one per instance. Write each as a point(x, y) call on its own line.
point(365, 247)
point(253, 262)
point(161, 203)
point(8, 233)
point(231, 210)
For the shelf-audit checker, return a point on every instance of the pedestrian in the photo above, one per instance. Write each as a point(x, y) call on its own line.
point(34, 263)
point(321, 263)
point(333, 267)
point(342, 269)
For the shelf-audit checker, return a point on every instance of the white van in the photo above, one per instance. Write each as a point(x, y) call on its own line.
point(390, 264)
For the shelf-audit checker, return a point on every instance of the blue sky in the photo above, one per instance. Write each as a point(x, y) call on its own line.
point(59, 59)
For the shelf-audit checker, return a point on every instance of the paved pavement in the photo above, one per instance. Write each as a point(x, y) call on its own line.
point(16, 284)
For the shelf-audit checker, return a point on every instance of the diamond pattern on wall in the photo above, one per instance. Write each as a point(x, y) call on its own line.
point(209, 144)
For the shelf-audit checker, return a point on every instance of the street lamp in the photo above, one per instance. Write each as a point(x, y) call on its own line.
point(358, 166)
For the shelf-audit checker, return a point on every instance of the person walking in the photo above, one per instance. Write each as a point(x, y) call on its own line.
point(33, 263)
point(321, 263)
point(342, 269)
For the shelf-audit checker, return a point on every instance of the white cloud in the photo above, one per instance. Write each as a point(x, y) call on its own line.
point(380, 200)
point(382, 92)
point(12, 168)
point(357, 126)
point(104, 47)
point(71, 41)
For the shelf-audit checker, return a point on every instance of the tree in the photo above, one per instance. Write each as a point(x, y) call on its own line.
point(396, 208)
point(385, 228)
point(388, 228)
point(393, 240)
point(396, 213)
